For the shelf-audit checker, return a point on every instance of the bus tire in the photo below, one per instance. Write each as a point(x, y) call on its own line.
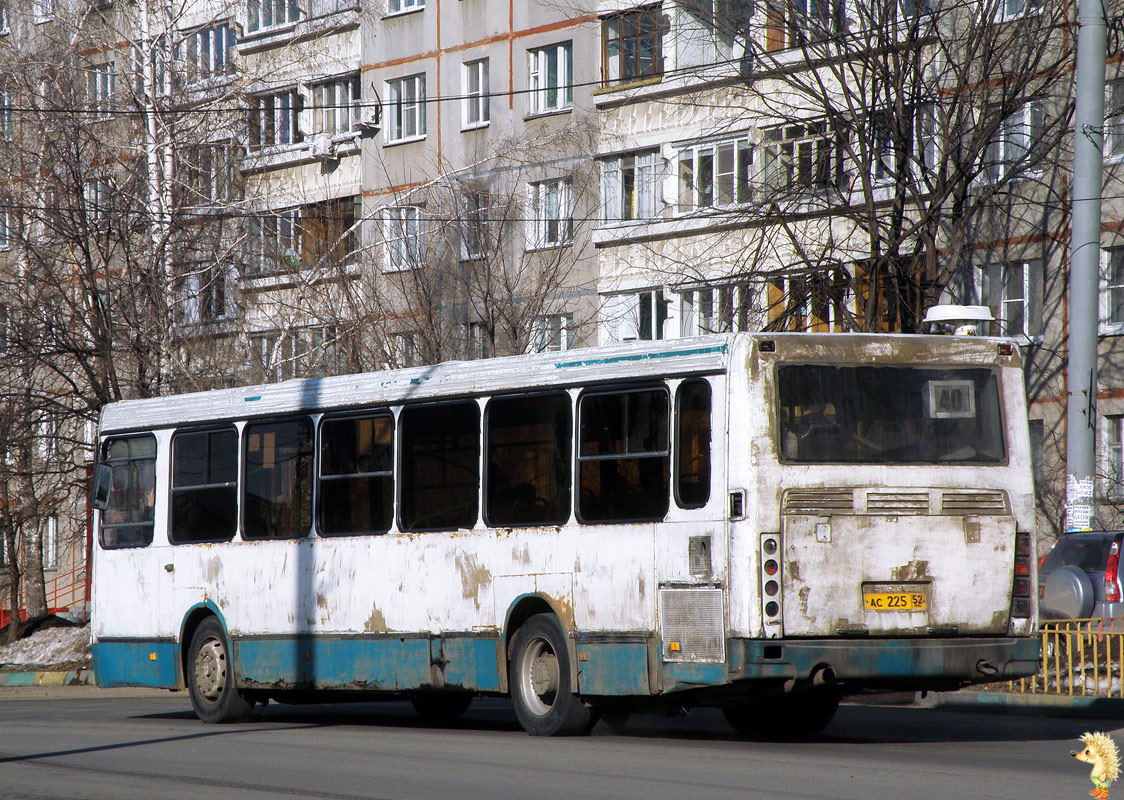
point(210, 677)
point(539, 677)
point(441, 708)
point(800, 715)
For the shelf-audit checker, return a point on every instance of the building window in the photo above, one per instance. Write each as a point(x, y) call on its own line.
point(336, 105)
point(798, 23)
point(208, 52)
point(51, 544)
point(903, 146)
point(98, 195)
point(552, 333)
point(7, 125)
point(400, 6)
point(800, 158)
point(1114, 120)
point(478, 341)
point(210, 172)
point(329, 232)
point(1112, 288)
point(716, 309)
point(1013, 147)
point(4, 30)
point(5, 229)
point(632, 45)
point(404, 235)
point(817, 303)
point(629, 186)
point(1013, 9)
point(1114, 457)
point(101, 84)
point(42, 10)
point(205, 292)
point(273, 243)
point(550, 217)
point(1013, 290)
point(474, 225)
point(406, 101)
point(274, 119)
point(714, 175)
point(5, 321)
point(551, 77)
point(271, 13)
point(638, 315)
point(475, 97)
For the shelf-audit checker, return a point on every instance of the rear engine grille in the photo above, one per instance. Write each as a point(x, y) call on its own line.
point(974, 501)
point(904, 502)
point(819, 502)
point(692, 625)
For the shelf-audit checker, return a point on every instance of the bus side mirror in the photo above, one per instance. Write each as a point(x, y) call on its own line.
point(99, 489)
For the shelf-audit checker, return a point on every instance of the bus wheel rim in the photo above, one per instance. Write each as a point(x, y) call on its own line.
point(210, 670)
point(540, 676)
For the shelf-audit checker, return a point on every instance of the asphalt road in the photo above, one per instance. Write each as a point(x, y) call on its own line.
point(83, 742)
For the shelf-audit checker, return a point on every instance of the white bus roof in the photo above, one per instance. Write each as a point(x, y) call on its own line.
point(645, 359)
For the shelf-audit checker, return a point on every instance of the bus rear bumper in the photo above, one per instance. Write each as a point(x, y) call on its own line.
point(920, 663)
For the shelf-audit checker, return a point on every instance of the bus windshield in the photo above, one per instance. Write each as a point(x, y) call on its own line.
point(889, 415)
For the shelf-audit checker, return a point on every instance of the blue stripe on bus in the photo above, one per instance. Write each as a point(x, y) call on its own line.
point(641, 357)
point(385, 663)
point(135, 663)
point(613, 669)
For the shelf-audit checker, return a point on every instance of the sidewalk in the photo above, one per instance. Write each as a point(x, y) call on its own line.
point(74, 677)
point(1039, 705)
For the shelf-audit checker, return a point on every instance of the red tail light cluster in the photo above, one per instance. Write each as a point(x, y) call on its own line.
point(1020, 591)
point(1111, 571)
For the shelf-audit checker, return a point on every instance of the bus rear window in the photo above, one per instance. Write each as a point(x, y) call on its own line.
point(889, 415)
point(128, 518)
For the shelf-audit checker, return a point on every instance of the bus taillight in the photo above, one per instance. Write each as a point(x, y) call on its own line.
point(771, 584)
point(1020, 590)
point(1111, 572)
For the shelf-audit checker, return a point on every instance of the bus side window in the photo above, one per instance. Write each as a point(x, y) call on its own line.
point(439, 466)
point(356, 475)
point(692, 444)
point(128, 517)
point(277, 490)
point(528, 457)
point(204, 486)
point(623, 458)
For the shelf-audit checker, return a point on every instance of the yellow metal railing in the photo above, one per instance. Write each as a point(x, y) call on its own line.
point(1080, 658)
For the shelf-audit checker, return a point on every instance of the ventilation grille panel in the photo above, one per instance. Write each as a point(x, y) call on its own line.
point(819, 502)
point(979, 502)
point(904, 502)
point(692, 625)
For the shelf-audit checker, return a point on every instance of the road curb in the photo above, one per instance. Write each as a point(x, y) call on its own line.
point(1026, 704)
point(74, 677)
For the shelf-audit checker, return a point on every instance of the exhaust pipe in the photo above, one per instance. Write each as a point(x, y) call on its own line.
point(823, 676)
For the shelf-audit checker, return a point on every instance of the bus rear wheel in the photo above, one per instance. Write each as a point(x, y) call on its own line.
point(210, 677)
point(539, 676)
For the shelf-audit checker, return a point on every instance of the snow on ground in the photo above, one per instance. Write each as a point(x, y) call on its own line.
point(47, 647)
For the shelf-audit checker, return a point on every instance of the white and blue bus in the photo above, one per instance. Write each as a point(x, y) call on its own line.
point(761, 523)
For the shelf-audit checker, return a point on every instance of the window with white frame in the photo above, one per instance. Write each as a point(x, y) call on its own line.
point(205, 294)
point(904, 145)
point(42, 10)
point(336, 105)
point(475, 98)
point(4, 27)
point(401, 6)
point(405, 118)
point(1114, 119)
point(800, 158)
point(273, 243)
point(552, 333)
point(550, 77)
point(264, 14)
point(210, 172)
point(716, 309)
point(714, 174)
point(477, 340)
point(1114, 456)
point(157, 55)
point(7, 119)
point(51, 544)
point(731, 28)
point(629, 186)
point(101, 84)
point(1011, 151)
point(635, 315)
point(5, 229)
point(274, 119)
point(1112, 288)
point(98, 196)
point(1014, 291)
point(550, 213)
point(475, 225)
point(404, 236)
point(208, 51)
point(797, 23)
point(48, 437)
point(1013, 9)
point(402, 349)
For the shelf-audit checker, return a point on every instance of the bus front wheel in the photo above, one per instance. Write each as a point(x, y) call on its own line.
point(539, 676)
point(210, 677)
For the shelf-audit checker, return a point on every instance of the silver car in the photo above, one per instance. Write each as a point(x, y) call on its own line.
point(1080, 577)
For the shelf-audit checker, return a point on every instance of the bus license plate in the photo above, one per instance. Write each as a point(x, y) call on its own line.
point(894, 601)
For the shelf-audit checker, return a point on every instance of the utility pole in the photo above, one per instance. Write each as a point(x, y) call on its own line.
point(1084, 265)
